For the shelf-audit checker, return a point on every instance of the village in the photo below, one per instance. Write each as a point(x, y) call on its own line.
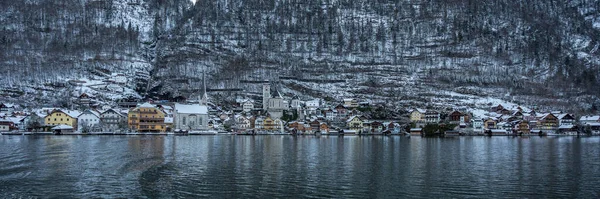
point(276, 114)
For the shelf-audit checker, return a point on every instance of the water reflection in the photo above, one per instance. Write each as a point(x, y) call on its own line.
point(285, 166)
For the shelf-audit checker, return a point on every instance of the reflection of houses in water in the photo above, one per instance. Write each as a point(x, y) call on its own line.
point(152, 148)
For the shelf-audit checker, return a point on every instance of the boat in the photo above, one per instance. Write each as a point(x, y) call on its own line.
point(180, 132)
point(204, 132)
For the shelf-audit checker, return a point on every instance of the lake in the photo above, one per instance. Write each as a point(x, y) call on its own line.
point(226, 166)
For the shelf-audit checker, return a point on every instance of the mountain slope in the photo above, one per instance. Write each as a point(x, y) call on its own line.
point(404, 52)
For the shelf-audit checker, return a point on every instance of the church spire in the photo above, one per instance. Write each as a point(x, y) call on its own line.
point(204, 100)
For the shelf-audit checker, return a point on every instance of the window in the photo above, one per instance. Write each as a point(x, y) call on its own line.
point(61, 119)
point(55, 119)
point(183, 120)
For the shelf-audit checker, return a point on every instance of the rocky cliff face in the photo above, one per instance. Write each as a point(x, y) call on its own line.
point(405, 52)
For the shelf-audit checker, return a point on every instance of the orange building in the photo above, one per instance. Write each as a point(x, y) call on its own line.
point(146, 118)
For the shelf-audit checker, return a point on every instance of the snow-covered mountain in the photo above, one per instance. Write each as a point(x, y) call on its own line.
point(542, 52)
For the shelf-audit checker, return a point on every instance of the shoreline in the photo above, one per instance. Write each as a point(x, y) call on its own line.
point(269, 134)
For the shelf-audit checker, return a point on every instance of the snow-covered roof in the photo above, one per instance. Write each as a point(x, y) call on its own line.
point(593, 124)
point(62, 127)
point(15, 119)
point(8, 105)
point(416, 129)
point(5, 120)
point(561, 116)
point(541, 115)
point(191, 109)
point(112, 110)
point(147, 105)
point(92, 112)
point(565, 126)
point(419, 110)
point(73, 114)
point(590, 118)
point(351, 118)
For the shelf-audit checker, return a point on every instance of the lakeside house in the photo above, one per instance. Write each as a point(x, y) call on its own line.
point(566, 119)
point(416, 131)
point(490, 124)
point(65, 117)
point(6, 125)
point(323, 127)
point(88, 121)
point(432, 116)
point(417, 115)
point(112, 120)
point(548, 122)
point(523, 128)
point(146, 118)
point(354, 123)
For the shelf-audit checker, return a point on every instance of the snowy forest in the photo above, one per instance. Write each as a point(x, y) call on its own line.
point(530, 51)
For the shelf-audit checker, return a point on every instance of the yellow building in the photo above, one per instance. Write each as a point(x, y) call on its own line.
point(146, 118)
point(490, 124)
point(417, 115)
point(354, 123)
point(269, 124)
point(58, 117)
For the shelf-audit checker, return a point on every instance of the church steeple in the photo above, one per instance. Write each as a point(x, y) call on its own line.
point(204, 100)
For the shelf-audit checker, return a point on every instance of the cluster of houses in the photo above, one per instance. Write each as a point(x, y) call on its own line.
point(277, 115)
point(308, 117)
point(144, 117)
point(501, 120)
point(281, 115)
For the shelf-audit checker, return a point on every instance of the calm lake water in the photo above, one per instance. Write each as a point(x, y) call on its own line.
point(306, 167)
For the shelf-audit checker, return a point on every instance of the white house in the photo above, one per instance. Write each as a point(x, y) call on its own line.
point(5, 125)
point(258, 122)
point(432, 116)
point(477, 125)
point(7, 108)
point(87, 121)
point(313, 104)
point(242, 122)
point(565, 119)
point(191, 117)
point(350, 103)
point(247, 106)
point(111, 119)
point(589, 119)
point(119, 78)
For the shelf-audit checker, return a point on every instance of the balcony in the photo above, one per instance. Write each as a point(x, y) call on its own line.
point(148, 112)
